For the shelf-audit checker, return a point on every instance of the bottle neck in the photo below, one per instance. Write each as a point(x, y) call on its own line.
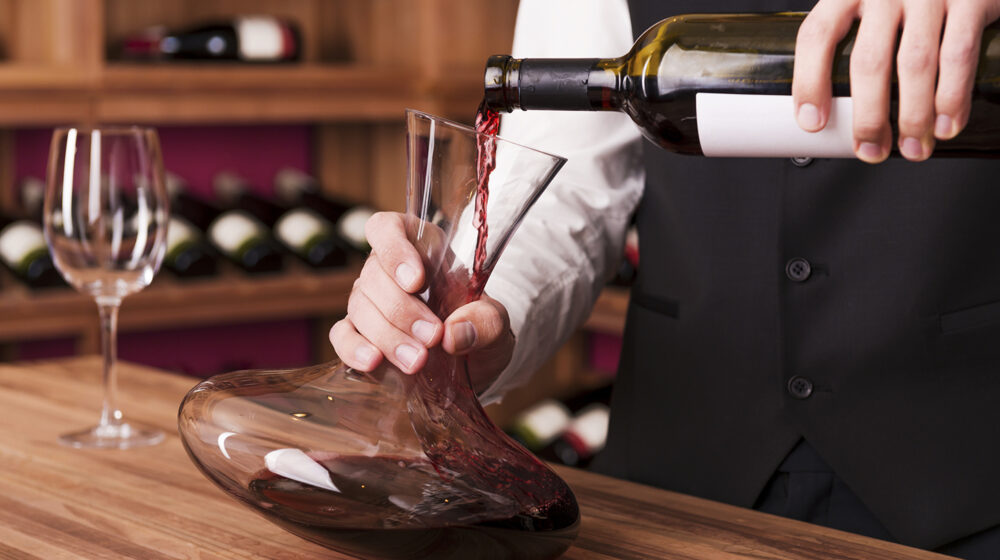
point(563, 84)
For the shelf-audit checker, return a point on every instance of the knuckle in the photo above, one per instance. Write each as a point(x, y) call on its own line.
point(377, 223)
point(914, 124)
point(868, 129)
point(916, 59)
point(951, 102)
point(339, 334)
point(960, 52)
point(492, 322)
point(352, 304)
point(377, 219)
point(868, 61)
point(813, 31)
point(396, 312)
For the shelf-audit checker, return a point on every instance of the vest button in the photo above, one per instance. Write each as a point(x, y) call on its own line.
point(801, 161)
point(800, 387)
point(798, 270)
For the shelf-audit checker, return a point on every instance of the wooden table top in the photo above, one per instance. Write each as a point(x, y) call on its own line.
point(152, 503)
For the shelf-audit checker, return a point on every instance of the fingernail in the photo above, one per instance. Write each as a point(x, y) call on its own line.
point(405, 275)
point(943, 127)
point(364, 354)
point(424, 331)
point(870, 152)
point(407, 355)
point(808, 116)
point(464, 335)
point(911, 148)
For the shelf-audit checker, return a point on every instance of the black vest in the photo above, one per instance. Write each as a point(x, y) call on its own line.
point(883, 353)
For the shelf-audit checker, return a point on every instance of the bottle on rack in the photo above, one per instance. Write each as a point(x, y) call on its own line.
point(583, 438)
point(258, 38)
point(720, 85)
point(23, 251)
point(32, 193)
point(303, 231)
point(297, 188)
point(586, 432)
point(188, 254)
point(236, 234)
point(540, 424)
point(629, 266)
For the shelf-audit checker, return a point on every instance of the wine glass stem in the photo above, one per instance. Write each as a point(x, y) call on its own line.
point(110, 415)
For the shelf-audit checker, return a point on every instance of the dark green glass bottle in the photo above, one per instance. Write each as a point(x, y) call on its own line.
point(720, 85)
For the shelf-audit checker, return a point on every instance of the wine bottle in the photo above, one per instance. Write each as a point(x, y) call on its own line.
point(540, 424)
point(188, 254)
point(23, 251)
point(32, 193)
point(720, 85)
point(303, 231)
point(628, 268)
point(349, 219)
point(248, 39)
point(583, 438)
point(236, 234)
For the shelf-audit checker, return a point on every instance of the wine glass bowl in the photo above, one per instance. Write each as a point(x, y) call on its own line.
point(384, 464)
point(105, 222)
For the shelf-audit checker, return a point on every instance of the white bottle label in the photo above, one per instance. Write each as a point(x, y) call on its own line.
point(351, 226)
point(18, 240)
point(179, 230)
point(231, 230)
point(546, 420)
point(735, 125)
point(591, 426)
point(261, 38)
point(296, 227)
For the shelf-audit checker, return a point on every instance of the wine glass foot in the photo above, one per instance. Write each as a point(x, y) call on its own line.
point(121, 436)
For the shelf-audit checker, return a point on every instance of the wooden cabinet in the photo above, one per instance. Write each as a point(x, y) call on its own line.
point(363, 62)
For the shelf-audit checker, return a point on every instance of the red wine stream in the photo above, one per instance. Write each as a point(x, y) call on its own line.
point(487, 126)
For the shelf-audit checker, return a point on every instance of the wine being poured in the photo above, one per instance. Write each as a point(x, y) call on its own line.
point(487, 128)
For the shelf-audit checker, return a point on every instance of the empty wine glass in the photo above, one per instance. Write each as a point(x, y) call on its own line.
point(106, 214)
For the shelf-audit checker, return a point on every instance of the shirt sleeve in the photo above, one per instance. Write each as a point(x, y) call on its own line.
point(571, 241)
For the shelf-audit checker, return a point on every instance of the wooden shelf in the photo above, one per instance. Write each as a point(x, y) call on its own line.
point(216, 93)
point(187, 93)
point(171, 302)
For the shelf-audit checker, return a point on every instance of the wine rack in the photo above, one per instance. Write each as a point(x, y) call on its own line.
point(363, 63)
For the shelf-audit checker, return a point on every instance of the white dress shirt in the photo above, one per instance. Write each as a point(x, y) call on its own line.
point(571, 241)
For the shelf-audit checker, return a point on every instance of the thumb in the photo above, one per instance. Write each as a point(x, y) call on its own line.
point(479, 325)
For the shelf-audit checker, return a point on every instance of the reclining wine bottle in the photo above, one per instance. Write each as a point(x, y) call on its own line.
point(720, 85)
point(24, 252)
point(189, 254)
point(234, 233)
point(302, 230)
point(298, 188)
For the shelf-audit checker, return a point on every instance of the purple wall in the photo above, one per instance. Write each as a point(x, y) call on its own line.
point(197, 154)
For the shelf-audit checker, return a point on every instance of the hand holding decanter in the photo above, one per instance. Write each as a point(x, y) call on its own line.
point(387, 319)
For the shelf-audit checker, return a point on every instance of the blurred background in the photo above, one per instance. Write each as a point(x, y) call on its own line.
point(245, 93)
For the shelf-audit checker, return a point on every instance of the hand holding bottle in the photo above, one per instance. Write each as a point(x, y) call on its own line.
point(385, 319)
point(935, 62)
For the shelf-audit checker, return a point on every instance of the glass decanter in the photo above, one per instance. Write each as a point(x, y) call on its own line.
point(385, 464)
